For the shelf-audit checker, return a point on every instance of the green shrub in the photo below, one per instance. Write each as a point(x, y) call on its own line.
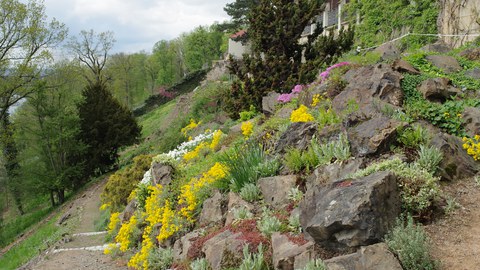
point(268, 224)
point(160, 258)
point(410, 243)
point(250, 192)
point(247, 115)
point(413, 137)
point(269, 167)
point(200, 264)
point(143, 192)
point(418, 187)
point(293, 160)
point(123, 182)
point(242, 213)
point(429, 158)
point(242, 162)
point(316, 264)
point(253, 261)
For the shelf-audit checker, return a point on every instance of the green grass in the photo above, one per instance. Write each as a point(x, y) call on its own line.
point(45, 236)
point(153, 120)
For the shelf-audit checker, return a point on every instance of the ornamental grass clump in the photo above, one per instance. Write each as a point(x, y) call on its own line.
point(242, 162)
point(253, 261)
point(429, 158)
point(411, 244)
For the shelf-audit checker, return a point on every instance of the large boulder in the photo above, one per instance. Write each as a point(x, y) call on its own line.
point(444, 62)
point(456, 163)
point(368, 85)
point(374, 257)
point(297, 135)
point(213, 209)
point(162, 173)
point(333, 172)
point(471, 117)
point(129, 210)
point(388, 51)
point(373, 136)
point(472, 54)
point(401, 65)
point(438, 89)
point(275, 189)
point(268, 103)
point(235, 202)
point(182, 245)
point(223, 246)
point(473, 73)
point(351, 213)
point(285, 251)
point(438, 47)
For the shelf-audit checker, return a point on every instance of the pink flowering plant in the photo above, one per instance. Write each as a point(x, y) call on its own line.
point(324, 75)
point(285, 98)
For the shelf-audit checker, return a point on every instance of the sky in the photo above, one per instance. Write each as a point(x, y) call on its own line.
point(137, 24)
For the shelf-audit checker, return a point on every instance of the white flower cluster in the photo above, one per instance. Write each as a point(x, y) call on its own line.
point(183, 148)
point(147, 178)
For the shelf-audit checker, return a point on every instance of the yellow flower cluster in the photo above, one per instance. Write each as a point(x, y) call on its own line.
point(114, 222)
point(110, 249)
point(125, 233)
point(301, 115)
point(247, 129)
point(316, 99)
point(217, 135)
point(472, 145)
point(195, 152)
point(140, 259)
point(190, 126)
point(104, 206)
point(168, 222)
point(190, 193)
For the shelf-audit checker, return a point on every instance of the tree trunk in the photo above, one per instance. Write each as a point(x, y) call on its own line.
point(10, 152)
point(52, 198)
point(61, 195)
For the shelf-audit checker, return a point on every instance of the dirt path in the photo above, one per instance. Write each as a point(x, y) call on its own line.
point(80, 250)
point(456, 238)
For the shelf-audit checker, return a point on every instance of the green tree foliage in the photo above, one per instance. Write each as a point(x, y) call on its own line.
point(48, 131)
point(201, 46)
point(275, 63)
point(105, 126)
point(25, 39)
point(239, 11)
point(383, 20)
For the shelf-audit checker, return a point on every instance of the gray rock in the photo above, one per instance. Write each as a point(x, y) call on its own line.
point(129, 210)
point(438, 89)
point(373, 136)
point(220, 246)
point(473, 73)
point(401, 65)
point(472, 54)
point(297, 135)
point(471, 118)
point(335, 171)
point(268, 103)
point(285, 251)
point(284, 113)
point(213, 209)
point(368, 84)
point(456, 163)
point(182, 245)
point(388, 51)
point(162, 173)
point(351, 213)
point(444, 62)
point(235, 202)
point(439, 47)
point(236, 129)
point(374, 257)
point(275, 189)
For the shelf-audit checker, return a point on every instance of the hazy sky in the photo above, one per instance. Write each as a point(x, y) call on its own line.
point(137, 24)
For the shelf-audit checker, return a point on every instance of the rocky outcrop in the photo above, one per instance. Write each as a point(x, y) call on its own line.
point(472, 54)
point(268, 103)
point(129, 210)
point(388, 51)
point(297, 135)
point(285, 252)
point(438, 47)
point(444, 62)
point(471, 118)
point(366, 84)
point(401, 65)
point(351, 213)
point(235, 202)
point(373, 136)
point(438, 89)
point(213, 209)
point(182, 245)
point(221, 247)
point(333, 172)
point(162, 173)
point(456, 163)
point(374, 257)
point(275, 189)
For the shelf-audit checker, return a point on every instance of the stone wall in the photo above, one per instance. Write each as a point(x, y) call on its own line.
point(459, 17)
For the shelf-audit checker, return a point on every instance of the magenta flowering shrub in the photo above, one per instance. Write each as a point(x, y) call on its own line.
point(324, 75)
point(285, 98)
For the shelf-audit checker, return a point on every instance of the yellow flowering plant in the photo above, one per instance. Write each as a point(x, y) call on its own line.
point(301, 115)
point(472, 145)
point(114, 223)
point(247, 129)
point(192, 125)
point(125, 233)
